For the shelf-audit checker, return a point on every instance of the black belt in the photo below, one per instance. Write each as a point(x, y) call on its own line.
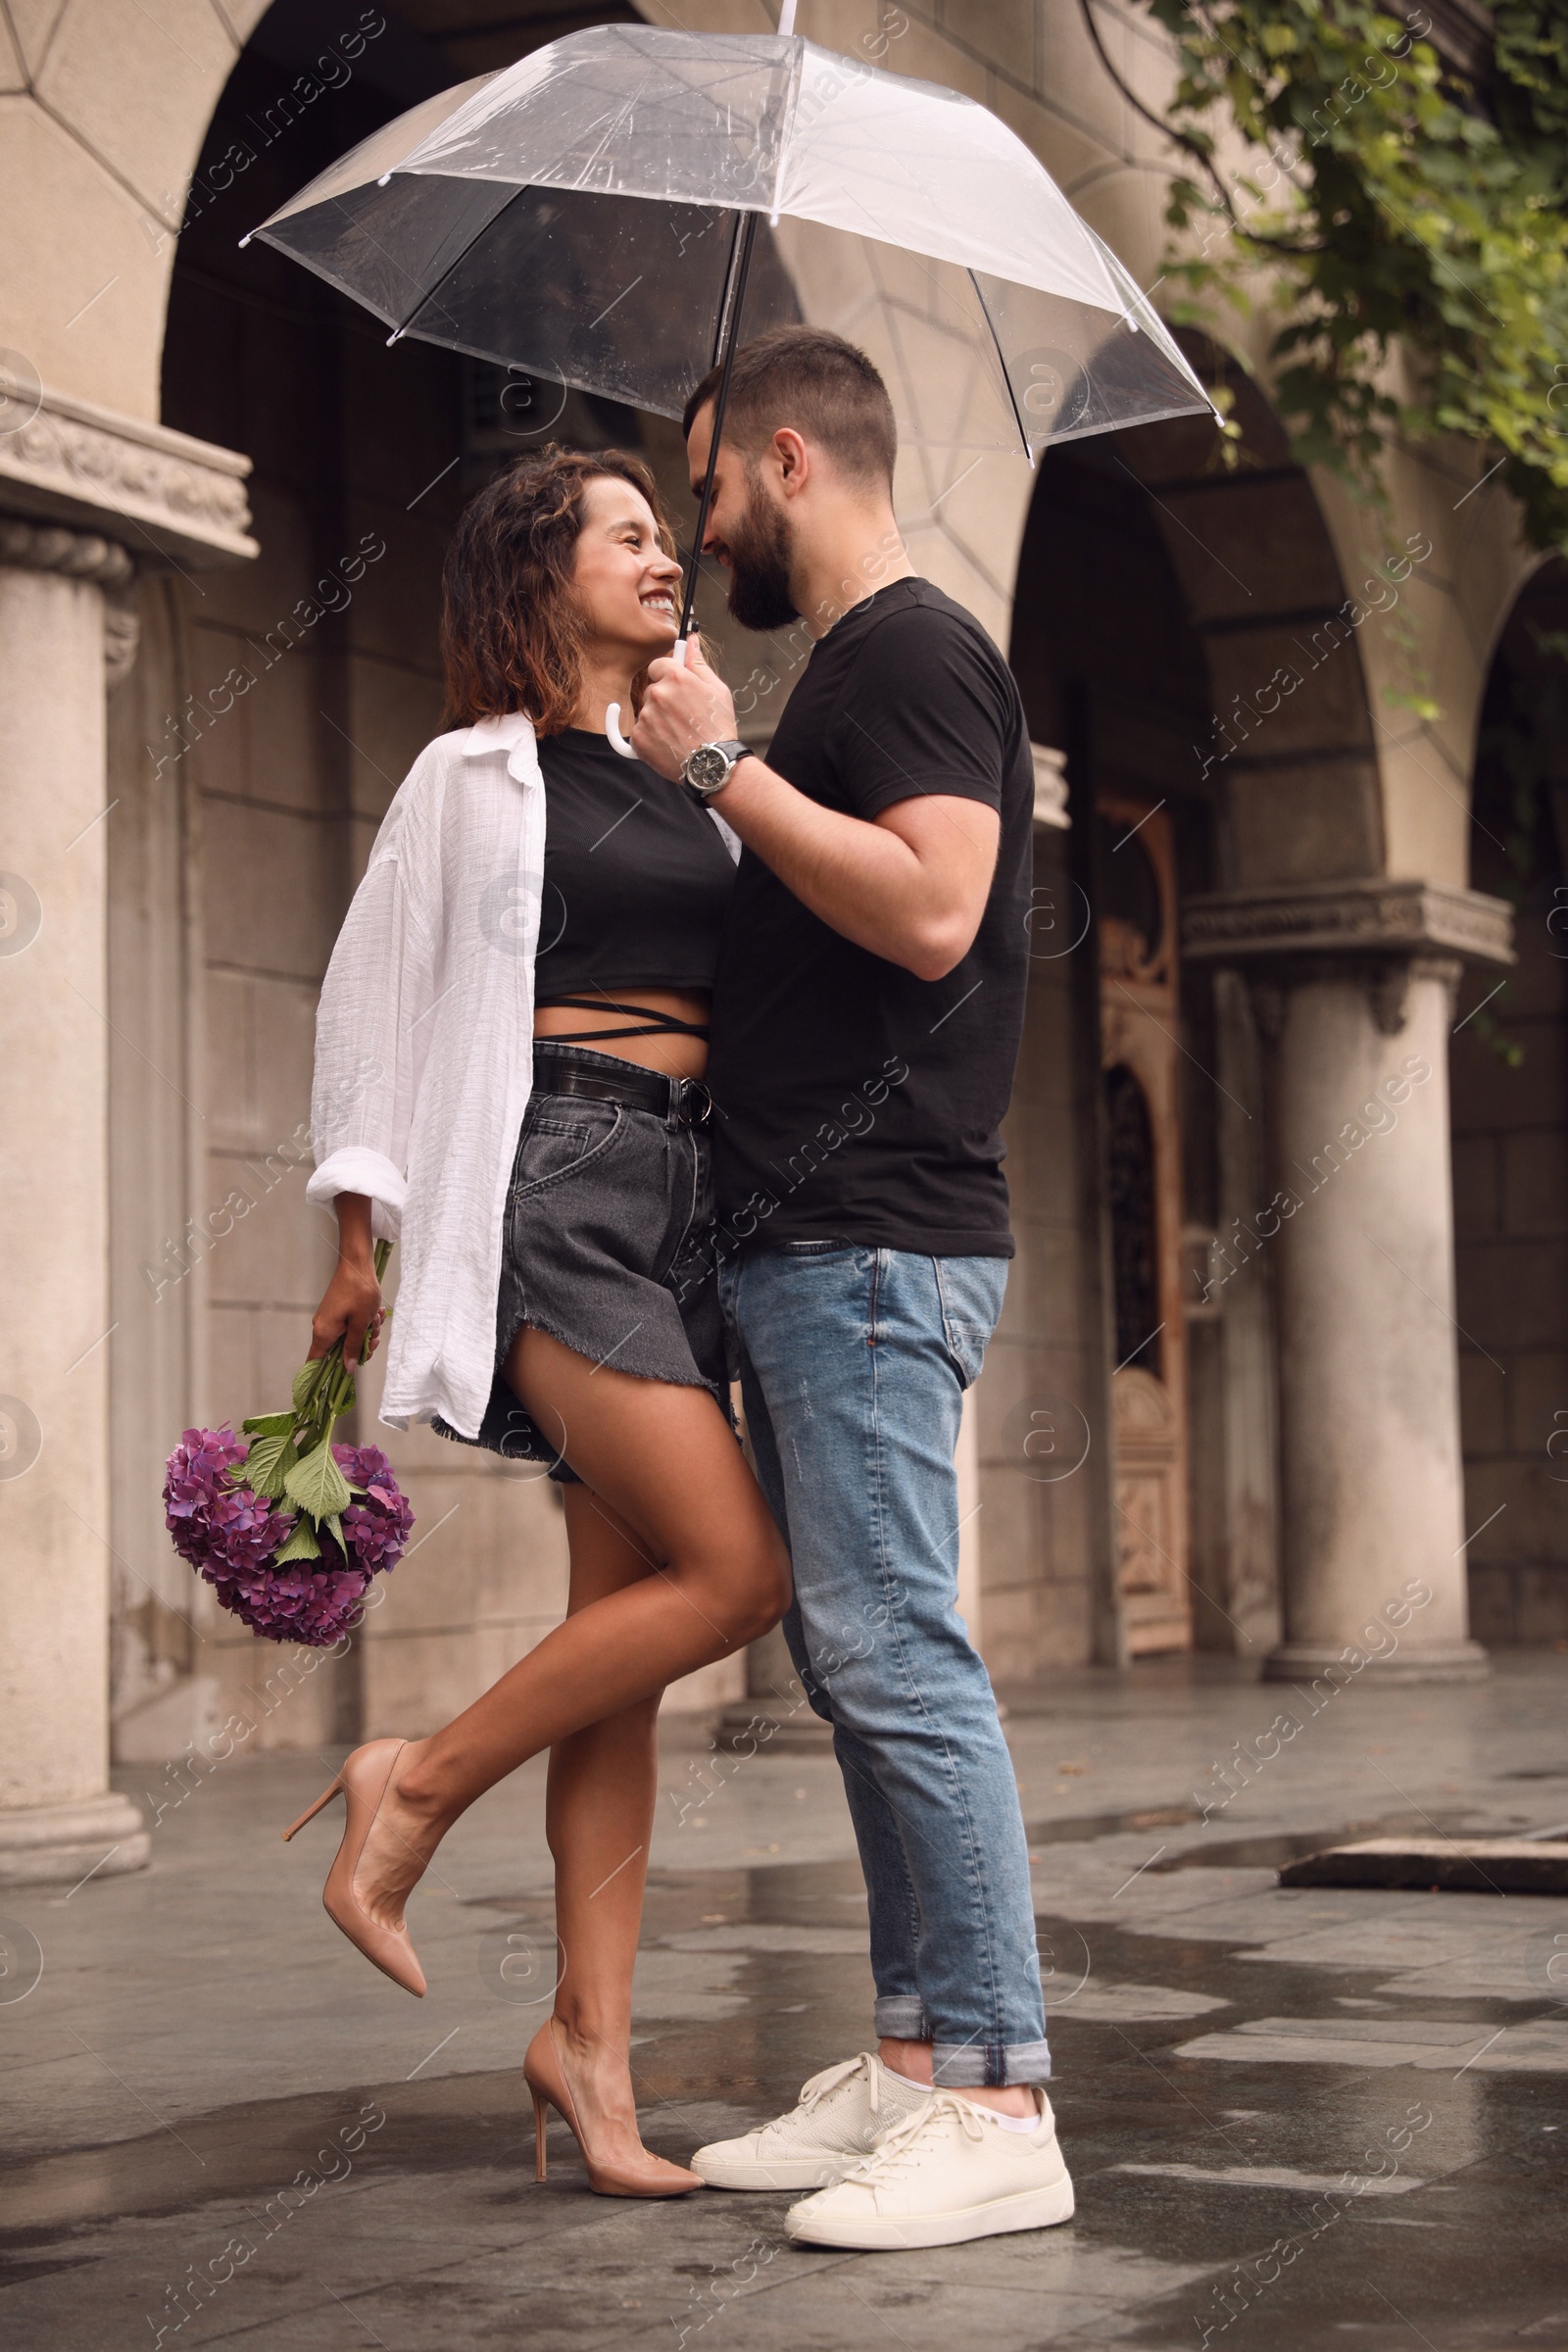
point(684, 1100)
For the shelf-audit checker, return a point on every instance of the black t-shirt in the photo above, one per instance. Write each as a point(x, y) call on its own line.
point(637, 876)
point(856, 1102)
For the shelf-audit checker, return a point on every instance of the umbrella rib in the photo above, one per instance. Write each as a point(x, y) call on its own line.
point(1003, 365)
point(729, 321)
point(457, 261)
point(612, 120)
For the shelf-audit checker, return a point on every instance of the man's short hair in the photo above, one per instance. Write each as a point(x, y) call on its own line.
point(816, 383)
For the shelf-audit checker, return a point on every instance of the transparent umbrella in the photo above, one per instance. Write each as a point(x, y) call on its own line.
point(620, 208)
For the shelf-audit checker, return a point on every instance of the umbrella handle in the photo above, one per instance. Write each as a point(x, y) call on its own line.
point(617, 740)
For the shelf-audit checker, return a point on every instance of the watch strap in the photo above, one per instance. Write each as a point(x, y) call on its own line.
point(734, 752)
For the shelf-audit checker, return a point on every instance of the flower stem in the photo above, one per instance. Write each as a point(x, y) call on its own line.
point(336, 1392)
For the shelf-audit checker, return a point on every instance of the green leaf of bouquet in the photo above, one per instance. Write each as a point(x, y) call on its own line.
point(268, 1463)
point(334, 1528)
point(268, 1425)
point(308, 1379)
point(316, 1483)
point(302, 1543)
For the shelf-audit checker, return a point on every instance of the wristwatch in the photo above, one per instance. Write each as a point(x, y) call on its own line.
point(710, 766)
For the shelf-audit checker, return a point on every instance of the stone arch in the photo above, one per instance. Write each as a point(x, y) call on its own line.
point(1509, 1125)
point(255, 749)
point(1313, 961)
point(1285, 755)
point(1156, 593)
point(104, 113)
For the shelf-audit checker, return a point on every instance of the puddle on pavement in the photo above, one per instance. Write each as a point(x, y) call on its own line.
point(452, 2170)
point(1274, 1850)
point(1081, 1828)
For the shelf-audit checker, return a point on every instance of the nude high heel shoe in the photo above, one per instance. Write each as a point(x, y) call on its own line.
point(363, 1780)
point(546, 2078)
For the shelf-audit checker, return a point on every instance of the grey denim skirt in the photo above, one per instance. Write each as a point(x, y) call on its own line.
point(607, 1244)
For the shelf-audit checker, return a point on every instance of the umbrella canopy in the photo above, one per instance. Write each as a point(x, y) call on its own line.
point(574, 216)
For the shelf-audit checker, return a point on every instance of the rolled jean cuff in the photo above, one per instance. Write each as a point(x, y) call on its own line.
point(900, 2017)
point(988, 2066)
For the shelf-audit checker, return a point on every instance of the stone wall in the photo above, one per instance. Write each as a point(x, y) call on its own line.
point(360, 470)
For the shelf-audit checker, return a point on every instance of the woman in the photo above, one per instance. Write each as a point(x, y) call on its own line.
point(509, 1052)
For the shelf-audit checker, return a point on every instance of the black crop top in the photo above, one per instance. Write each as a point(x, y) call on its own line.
point(637, 880)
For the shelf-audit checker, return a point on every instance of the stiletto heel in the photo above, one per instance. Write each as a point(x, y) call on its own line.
point(546, 2078)
point(311, 1811)
point(364, 1778)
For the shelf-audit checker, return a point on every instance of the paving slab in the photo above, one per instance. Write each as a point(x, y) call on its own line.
point(1294, 2116)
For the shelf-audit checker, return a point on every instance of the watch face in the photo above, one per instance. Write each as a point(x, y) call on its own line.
point(708, 768)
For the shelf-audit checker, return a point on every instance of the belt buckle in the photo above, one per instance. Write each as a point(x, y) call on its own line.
point(697, 1104)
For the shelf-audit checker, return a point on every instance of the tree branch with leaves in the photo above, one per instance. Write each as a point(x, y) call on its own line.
point(1397, 209)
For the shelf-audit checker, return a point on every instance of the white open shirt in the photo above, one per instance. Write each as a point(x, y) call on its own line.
point(424, 1051)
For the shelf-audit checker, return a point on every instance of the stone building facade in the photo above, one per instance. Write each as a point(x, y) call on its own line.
point(1237, 1402)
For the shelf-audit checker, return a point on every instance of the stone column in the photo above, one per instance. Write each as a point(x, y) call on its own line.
point(79, 490)
point(55, 1815)
point(1352, 984)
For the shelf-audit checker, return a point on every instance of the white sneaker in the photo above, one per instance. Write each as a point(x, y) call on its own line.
point(947, 2172)
point(838, 2119)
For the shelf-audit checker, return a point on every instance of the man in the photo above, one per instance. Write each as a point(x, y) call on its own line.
point(866, 1016)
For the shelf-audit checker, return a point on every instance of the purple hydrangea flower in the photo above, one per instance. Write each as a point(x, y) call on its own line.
point(297, 1603)
point(231, 1537)
point(377, 1522)
point(220, 1529)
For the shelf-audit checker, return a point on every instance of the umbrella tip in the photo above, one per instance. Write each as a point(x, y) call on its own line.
point(396, 336)
point(246, 238)
point(382, 182)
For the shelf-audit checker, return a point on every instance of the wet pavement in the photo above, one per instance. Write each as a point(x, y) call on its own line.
point(1296, 2116)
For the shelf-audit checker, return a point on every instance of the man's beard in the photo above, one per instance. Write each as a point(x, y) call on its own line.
point(761, 549)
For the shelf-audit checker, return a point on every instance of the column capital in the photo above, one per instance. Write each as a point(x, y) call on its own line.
point(1311, 924)
point(82, 555)
point(52, 547)
point(160, 495)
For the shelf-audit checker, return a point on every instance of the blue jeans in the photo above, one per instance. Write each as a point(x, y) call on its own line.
point(853, 1362)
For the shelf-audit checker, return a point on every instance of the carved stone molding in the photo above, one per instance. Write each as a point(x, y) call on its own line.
point(1360, 918)
point(50, 547)
point(1389, 986)
point(1384, 979)
point(1268, 1007)
point(122, 636)
point(82, 555)
point(159, 494)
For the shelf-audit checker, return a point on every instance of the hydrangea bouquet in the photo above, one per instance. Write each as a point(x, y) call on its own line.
point(287, 1527)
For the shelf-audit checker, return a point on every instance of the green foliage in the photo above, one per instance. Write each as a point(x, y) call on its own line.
point(290, 1455)
point(317, 1485)
point(1389, 205)
point(308, 1382)
point(268, 1461)
point(303, 1543)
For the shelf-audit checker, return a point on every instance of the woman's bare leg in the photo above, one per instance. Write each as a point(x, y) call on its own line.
point(663, 1461)
point(599, 1818)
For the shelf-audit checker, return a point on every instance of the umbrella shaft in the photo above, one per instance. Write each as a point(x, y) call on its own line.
point(729, 319)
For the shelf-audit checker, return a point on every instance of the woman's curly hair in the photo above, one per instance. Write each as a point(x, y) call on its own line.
point(512, 630)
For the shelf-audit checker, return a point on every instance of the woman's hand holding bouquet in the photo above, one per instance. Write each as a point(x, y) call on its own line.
point(288, 1528)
